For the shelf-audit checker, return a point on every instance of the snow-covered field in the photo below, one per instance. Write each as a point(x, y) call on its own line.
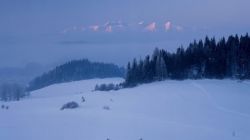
point(167, 110)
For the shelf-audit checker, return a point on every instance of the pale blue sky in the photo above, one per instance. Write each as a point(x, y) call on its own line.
point(33, 30)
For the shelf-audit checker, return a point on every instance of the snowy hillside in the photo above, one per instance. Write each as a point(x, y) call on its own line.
point(167, 110)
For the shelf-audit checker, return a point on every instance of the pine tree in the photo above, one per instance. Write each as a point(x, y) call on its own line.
point(128, 74)
point(160, 68)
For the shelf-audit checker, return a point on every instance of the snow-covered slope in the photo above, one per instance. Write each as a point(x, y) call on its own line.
point(167, 110)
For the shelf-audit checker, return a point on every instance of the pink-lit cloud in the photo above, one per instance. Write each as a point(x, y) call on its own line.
point(108, 29)
point(168, 26)
point(94, 28)
point(151, 27)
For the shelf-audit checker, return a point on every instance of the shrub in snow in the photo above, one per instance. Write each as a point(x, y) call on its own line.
point(108, 87)
point(70, 105)
point(4, 107)
point(83, 99)
point(106, 107)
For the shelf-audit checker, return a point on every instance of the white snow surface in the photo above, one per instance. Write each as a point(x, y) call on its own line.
point(166, 110)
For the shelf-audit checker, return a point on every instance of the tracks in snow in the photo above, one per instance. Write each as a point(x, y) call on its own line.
point(215, 104)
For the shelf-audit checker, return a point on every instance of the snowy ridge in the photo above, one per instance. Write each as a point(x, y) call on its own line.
point(176, 110)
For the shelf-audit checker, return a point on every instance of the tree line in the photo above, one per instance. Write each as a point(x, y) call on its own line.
point(76, 70)
point(12, 91)
point(208, 58)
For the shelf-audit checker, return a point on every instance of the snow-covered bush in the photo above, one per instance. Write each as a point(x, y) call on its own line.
point(70, 105)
